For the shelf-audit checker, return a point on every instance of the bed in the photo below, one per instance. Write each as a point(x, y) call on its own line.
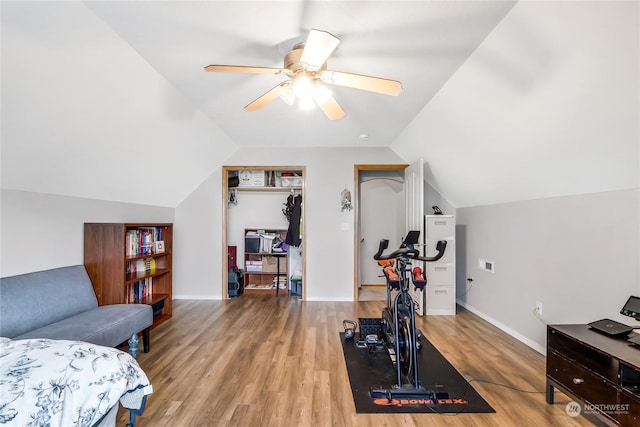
point(53, 383)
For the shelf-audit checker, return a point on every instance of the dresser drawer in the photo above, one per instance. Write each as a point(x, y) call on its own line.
point(584, 355)
point(581, 382)
point(440, 227)
point(629, 410)
point(441, 297)
point(441, 274)
point(449, 252)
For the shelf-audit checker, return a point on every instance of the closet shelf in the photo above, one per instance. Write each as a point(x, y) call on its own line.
point(267, 189)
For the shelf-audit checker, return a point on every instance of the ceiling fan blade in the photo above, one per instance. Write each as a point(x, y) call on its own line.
point(267, 97)
point(332, 109)
point(317, 48)
point(359, 81)
point(243, 69)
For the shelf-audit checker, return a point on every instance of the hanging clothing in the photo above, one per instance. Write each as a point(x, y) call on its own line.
point(288, 207)
point(293, 232)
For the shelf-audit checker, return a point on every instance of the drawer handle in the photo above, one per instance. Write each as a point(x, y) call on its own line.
point(578, 380)
point(440, 292)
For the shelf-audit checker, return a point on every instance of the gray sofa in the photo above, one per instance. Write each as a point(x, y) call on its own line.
point(61, 304)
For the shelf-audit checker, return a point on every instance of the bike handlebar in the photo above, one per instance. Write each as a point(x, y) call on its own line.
point(409, 252)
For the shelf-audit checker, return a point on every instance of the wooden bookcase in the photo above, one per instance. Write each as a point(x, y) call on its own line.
point(273, 265)
point(111, 254)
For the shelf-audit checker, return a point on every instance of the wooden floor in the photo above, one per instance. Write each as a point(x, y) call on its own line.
point(262, 360)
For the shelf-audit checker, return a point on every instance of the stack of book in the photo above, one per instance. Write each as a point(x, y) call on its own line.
point(253, 266)
point(139, 291)
point(280, 281)
point(141, 241)
point(147, 265)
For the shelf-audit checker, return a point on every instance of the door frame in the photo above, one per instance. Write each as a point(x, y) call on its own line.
point(225, 209)
point(357, 168)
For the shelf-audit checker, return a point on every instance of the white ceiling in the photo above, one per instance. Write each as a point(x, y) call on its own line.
point(419, 43)
point(504, 101)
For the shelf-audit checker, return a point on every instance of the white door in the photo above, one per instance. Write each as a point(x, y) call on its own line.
point(414, 193)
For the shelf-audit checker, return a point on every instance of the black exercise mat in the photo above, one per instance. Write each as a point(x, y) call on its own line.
point(368, 370)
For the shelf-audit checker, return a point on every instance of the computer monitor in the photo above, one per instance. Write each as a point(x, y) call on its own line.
point(632, 308)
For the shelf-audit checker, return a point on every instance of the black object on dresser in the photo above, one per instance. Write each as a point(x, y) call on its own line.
point(600, 372)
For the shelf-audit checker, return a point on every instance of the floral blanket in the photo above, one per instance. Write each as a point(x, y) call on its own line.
point(64, 383)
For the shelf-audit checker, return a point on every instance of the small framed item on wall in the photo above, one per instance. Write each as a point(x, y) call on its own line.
point(159, 247)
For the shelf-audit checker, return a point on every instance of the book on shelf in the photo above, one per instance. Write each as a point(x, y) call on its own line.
point(280, 281)
point(147, 265)
point(139, 291)
point(142, 240)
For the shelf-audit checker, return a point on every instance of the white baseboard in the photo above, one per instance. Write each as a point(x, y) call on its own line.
point(324, 299)
point(196, 297)
point(534, 345)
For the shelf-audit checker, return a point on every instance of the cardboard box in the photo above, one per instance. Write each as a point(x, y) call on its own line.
point(251, 178)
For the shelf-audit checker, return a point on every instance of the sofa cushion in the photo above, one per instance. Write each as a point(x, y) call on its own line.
point(108, 325)
point(44, 297)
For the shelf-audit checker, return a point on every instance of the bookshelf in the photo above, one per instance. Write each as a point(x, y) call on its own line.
point(126, 265)
point(265, 270)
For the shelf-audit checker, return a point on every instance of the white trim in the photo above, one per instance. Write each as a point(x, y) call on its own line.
point(197, 297)
point(534, 345)
point(325, 299)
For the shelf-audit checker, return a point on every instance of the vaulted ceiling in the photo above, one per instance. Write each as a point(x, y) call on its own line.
point(504, 100)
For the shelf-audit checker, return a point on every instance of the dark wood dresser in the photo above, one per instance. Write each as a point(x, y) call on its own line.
point(600, 372)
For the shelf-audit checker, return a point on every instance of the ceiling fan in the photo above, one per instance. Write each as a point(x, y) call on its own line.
point(306, 67)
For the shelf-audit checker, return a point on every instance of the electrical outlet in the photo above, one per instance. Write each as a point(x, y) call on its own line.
point(539, 308)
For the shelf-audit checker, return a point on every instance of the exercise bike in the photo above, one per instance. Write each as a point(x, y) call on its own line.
point(399, 335)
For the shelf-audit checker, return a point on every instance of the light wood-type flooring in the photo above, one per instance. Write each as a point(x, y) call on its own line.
point(262, 360)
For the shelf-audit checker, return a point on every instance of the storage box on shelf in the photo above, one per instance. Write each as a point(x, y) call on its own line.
point(131, 263)
point(267, 180)
point(265, 268)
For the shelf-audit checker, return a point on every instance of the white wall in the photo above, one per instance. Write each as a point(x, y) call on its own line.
point(197, 242)
point(257, 210)
point(382, 216)
point(42, 231)
point(578, 255)
point(329, 248)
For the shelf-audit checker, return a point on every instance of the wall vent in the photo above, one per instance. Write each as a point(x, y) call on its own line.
point(486, 265)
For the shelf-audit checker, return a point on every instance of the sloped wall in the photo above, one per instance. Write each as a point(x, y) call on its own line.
point(547, 106)
point(84, 115)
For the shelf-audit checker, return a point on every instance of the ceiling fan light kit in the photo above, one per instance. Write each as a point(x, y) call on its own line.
point(306, 67)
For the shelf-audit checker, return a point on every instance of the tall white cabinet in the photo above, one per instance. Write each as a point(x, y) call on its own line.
point(441, 275)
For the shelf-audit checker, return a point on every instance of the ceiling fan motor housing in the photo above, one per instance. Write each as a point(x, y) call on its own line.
point(292, 60)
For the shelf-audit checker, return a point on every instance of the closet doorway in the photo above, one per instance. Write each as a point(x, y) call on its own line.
point(255, 198)
point(380, 214)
